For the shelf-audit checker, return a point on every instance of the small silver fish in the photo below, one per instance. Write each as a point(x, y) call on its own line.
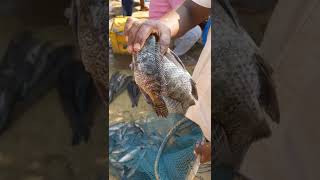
point(130, 155)
point(111, 133)
point(112, 160)
point(117, 165)
point(139, 126)
point(124, 140)
point(133, 170)
point(120, 150)
point(116, 127)
point(120, 134)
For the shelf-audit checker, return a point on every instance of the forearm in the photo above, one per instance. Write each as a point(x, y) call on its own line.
point(185, 17)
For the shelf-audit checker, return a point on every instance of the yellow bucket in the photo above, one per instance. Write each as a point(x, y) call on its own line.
point(116, 33)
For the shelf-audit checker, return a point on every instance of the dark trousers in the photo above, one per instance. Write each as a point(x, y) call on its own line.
point(127, 7)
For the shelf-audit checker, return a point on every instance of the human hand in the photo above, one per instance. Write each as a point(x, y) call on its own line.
point(137, 32)
point(203, 150)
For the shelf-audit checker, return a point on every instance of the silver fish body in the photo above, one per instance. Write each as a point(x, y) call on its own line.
point(116, 127)
point(130, 155)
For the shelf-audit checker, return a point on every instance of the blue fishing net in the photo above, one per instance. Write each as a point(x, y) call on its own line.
point(154, 148)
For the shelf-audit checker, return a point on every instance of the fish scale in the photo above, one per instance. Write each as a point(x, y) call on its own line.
point(163, 80)
point(244, 90)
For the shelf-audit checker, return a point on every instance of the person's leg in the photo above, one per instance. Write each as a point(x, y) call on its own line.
point(127, 7)
point(184, 43)
point(142, 6)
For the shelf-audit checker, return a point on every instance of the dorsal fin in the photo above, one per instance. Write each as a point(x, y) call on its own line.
point(225, 4)
point(175, 59)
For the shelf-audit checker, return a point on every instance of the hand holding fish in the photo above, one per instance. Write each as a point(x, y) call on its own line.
point(137, 32)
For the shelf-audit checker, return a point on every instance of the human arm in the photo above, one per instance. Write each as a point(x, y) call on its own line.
point(173, 24)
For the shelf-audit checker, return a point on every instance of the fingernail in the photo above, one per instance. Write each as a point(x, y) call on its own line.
point(129, 49)
point(136, 47)
point(202, 143)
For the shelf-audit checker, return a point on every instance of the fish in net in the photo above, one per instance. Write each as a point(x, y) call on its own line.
point(154, 148)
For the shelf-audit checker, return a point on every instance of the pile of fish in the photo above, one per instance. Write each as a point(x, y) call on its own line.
point(120, 82)
point(127, 146)
point(31, 67)
point(28, 70)
point(76, 90)
point(163, 79)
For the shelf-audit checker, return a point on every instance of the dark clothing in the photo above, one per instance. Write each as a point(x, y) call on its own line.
point(127, 7)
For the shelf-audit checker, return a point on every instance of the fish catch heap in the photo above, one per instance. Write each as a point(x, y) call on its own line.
point(153, 148)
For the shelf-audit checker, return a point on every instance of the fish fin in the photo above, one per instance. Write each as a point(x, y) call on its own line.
point(136, 92)
point(131, 93)
point(194, 89)
point(176, 60)
point(160, 107)
point(225, 4)
point(268, 96)
point(102, 91)
point(146, 96)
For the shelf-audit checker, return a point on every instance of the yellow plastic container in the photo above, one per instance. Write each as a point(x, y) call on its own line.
point(116, 33)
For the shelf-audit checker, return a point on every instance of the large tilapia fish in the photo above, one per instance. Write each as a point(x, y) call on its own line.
point(163, 80)
point(244, 92)
point(89, 22)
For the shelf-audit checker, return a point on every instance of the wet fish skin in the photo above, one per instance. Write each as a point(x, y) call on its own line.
point(129, 156)
point(244, 90)
point(139, 126)
point(76, 89)
point(163, 80)
point(111, 133)
point(134, 93)
point(116, 127)
point(133, 170)
point(118, 83)
point(16, 68)
point(120, 150)
point(89, 22)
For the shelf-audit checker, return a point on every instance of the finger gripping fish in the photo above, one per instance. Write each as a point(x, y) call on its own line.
point(163, 79)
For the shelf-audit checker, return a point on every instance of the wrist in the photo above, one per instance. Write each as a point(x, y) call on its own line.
point(171, 24)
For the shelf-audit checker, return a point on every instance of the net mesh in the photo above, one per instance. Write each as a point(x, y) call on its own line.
point(136, 148)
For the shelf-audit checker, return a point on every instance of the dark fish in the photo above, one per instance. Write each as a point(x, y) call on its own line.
point(130, 155)
point(46, 70)
point(8, 98)
point(254, 5)
point(118, 83)
point(134, 93)
point(16, 69)
point(76, 90)
point(89, 21)
point(244, 91)
point(163, 80)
